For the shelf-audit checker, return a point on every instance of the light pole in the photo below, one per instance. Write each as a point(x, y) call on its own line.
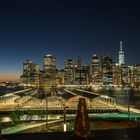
point(46, 110)
point(0, 130)
point(128, 104)
point(65, 124)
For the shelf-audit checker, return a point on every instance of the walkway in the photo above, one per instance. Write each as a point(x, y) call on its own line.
point(26, 126)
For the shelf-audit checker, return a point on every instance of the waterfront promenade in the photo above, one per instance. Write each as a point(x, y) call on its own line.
point(110, 101)
point(65, 97)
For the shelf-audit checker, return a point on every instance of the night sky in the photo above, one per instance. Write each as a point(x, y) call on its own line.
point(66, 29)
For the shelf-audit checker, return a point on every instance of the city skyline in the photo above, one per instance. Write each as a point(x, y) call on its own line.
point(14, 75)
point(66, 29)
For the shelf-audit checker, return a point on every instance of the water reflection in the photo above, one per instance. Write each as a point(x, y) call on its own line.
point(122, 96)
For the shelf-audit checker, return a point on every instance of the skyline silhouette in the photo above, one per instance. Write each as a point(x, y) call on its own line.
point(66, 29)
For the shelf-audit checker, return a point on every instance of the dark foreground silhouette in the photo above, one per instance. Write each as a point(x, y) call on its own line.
point(118, 134)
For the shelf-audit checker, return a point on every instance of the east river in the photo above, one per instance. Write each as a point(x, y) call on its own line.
point(124, 96)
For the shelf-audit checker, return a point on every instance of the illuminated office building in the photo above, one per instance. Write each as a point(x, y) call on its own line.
point(126, 76)
point(136, 76)
point(50, 77)
point(96, 77)
point(86, 70)
point(69, 72)
point(50, 66)
point(79, 63)
point(121, 55)
point(61, 76)
point(107, 70)
point(31, 72)
point(82, 76)
point(117, 75)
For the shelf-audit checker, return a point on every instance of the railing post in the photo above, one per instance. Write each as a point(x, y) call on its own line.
point(65, 125)
point(46, 112)
point(128, 103)
point(0, 130)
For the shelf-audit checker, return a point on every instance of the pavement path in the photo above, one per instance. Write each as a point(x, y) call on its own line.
point(22, 127)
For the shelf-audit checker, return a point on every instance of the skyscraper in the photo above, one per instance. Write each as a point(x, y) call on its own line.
point(121, 55)
point(125, 76)
point(79, 63)
point(69, 72)
point(81, 76)
point(49, 78)
point(49, 66)
point(96, 71)
point(30, 73)
point(117, 75)
point(136, 76)
point(107, 71)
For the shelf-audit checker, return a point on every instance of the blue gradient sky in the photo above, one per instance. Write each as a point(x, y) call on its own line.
point(66, 29)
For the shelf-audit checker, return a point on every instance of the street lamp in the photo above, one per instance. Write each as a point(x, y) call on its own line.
point(46, 110)
point(44, 94)
point(0, 130)
point(65, 124)
point(128, 103)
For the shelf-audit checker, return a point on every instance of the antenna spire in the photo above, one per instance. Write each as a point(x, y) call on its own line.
point(121, 45)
